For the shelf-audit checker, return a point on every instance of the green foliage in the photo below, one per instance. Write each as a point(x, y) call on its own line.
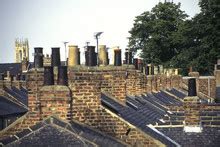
point(166, 37)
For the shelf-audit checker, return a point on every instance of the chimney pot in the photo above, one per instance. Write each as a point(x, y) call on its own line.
point(55, 57)
point(117, 60)
point(192, 87)
point(91, 56)
point(48, 75)
point(38, 57)
point(62, 75)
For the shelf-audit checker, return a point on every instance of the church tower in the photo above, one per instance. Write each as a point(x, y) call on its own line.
point(21, 50)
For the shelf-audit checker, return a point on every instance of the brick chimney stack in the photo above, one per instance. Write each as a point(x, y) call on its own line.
point(192, 108)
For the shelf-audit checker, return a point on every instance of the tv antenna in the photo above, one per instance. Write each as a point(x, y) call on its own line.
point(97, 36)
point(65, 42)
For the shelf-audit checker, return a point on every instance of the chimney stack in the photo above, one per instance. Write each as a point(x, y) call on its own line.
point(74, 55)
point(117, 57)
point(62, 76)
point(38, 57)
point(48, 75)
point(191, 107)
point(55, 57)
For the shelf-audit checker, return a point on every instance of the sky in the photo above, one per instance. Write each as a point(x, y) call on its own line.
point(48, 23)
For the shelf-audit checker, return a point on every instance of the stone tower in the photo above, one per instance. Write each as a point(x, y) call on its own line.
point(21, 50)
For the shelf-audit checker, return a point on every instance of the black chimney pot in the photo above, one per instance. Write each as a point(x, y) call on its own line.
point(48, 75)
point(192, 87)
point(91, 56)
point(62, 75)
point(55, 57)
point(38, 57)
point(117, 56)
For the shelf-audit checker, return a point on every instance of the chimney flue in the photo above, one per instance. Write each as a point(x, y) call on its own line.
point(117, 61)
point(192, 87)
point(55, 57)
point(38, 57)
point(90, 54)
point(62, 75)
point(48, 75)
point(74, 55)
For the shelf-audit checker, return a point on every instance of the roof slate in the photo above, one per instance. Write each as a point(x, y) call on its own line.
point(55, 132)
point(14, 68)
point(8, 107)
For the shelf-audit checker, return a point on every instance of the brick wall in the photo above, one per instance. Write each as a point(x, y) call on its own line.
point(86, 92)
point(55, 100)
point(191, 107)
point(205, 85)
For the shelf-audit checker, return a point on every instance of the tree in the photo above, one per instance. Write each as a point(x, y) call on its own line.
point(166, 37)
point(157, 33)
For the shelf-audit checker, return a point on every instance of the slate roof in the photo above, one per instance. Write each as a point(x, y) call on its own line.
point(14, 68)
point(55, 132)
point(140, 114)
point(8, 107)
point(20, 94)
point(149, 110)
point(210, 137)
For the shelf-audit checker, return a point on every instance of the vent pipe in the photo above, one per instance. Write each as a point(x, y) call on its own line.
point(62, 75)
point(117, 57)
point(192, 87)
point(74, 55)
point(55, 57)
point(38, 57)
point(48, 75)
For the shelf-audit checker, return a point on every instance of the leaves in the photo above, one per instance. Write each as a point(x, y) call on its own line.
point(165, 36)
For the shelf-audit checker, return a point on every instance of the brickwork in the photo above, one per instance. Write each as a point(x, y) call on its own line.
point(55, 100)
point(86, 92)
point(205, 85)
point(192, 111)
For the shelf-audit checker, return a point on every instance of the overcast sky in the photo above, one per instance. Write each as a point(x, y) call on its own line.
point(47, 23)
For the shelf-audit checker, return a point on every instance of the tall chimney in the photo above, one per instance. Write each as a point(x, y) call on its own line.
point(38, 57)
point(103, 59)
point(55, 57)
point(117, 57)
point(192, 87)
point(73, 55)
point(90, 54)
point(62, 75)
point(48, 75)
